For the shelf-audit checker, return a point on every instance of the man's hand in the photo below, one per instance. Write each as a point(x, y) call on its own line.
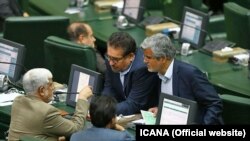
point(154, 110)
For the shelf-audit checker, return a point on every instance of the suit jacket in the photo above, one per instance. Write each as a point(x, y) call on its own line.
point(140, 89)
point(32, 117)
point(101, 134)
point(8, 8)
point(189, 82)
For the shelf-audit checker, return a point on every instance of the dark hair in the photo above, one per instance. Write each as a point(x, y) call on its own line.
point(76, 29)
point(123, 40)
point(102, 110)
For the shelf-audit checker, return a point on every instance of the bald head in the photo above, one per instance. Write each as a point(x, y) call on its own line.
point(81, 33)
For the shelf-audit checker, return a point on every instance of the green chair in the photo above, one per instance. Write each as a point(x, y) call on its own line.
point(31, 32)
point(235, 109)
point(60, 54)
point(237, 23)
point(244, 3)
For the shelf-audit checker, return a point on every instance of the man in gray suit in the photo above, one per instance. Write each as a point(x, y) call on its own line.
point(31, 115)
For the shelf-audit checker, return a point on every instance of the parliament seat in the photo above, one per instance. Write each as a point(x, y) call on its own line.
point(60, 54)
point(31, 32)
point(235, 109)
point(237, 24)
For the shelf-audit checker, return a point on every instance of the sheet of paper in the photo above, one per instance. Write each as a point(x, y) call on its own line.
point(7, 99)
point(148, 117)
point(72, 10)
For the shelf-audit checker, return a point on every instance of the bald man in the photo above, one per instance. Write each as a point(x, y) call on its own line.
point(82, 33)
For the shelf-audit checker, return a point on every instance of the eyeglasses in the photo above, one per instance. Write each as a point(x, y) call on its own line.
point(148, 57)
point(114, 59)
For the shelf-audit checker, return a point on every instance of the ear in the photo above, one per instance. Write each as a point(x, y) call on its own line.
point(132, 56)
point(41, 90)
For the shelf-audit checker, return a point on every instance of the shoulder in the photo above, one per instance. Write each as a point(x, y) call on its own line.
point(185, 68)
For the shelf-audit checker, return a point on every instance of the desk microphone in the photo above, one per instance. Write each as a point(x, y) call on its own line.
point(180, 23)
point(60, 92)
point(4, 79)
point(16, 64)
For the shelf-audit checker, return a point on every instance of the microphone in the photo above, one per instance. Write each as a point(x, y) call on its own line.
point(16, 64)
point(61, 92)
point(180, 23)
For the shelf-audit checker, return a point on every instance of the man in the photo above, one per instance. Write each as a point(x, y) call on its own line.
point(82, 33)
point(103, 117)
point(127, 78)
point(181, 79)
point(9, 8)
point(31, 115)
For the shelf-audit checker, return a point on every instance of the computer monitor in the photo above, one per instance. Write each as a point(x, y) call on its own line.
point(79, 78)
point(133, 10)
point(11, 59)
point(193, 27)
point(173, 110)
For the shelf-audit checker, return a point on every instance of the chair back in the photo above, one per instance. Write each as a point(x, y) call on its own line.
point(60, 54)
point(31, 32)
point(237, 23)
point(235, 109)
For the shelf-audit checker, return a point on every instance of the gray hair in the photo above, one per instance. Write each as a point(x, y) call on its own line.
point(160, 45)
point(35, 78)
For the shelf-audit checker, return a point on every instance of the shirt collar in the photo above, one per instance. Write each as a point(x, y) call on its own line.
point(168, 74)
point(126, 71)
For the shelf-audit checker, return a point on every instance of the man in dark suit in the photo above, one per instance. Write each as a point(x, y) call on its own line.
point(9, 8)
point(127, 77)
point(82, 33)
point(181, 79)
point(103, 117)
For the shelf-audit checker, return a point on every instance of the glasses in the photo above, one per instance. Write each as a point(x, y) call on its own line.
point(114, 59)
point(148, 57)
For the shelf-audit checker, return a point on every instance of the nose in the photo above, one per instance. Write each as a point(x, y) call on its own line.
point(111, 63)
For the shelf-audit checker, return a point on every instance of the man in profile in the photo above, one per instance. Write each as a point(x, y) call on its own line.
point(82, 33)
point(181, 79)
point(31, 115)
point(127, 78)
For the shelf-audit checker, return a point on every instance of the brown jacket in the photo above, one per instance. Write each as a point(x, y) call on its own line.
point(32, 117)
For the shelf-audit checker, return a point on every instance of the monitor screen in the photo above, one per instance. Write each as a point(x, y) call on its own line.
point(79, 78)
point(176, 110)
point(193, 28)
point(11, 59)
point(133, 10)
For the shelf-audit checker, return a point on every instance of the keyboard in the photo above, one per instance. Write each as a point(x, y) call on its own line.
point(214, 45)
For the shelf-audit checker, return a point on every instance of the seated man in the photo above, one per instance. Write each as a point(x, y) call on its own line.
point(181, 79)
point(31, 115)
point(9, 8)
point(127, 78)
point(103, 117)
point(82, 33)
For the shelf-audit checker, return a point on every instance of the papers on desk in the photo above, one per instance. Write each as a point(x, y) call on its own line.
point(72, 10)
point(148, 117)
point(7, 99)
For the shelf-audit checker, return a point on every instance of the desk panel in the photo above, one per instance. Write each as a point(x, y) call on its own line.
point(233, 82)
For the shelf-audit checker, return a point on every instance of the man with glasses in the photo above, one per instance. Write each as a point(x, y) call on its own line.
point(31, 115)
point(127, 78)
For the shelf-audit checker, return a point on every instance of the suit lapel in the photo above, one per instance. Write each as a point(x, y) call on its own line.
point(175, 78)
